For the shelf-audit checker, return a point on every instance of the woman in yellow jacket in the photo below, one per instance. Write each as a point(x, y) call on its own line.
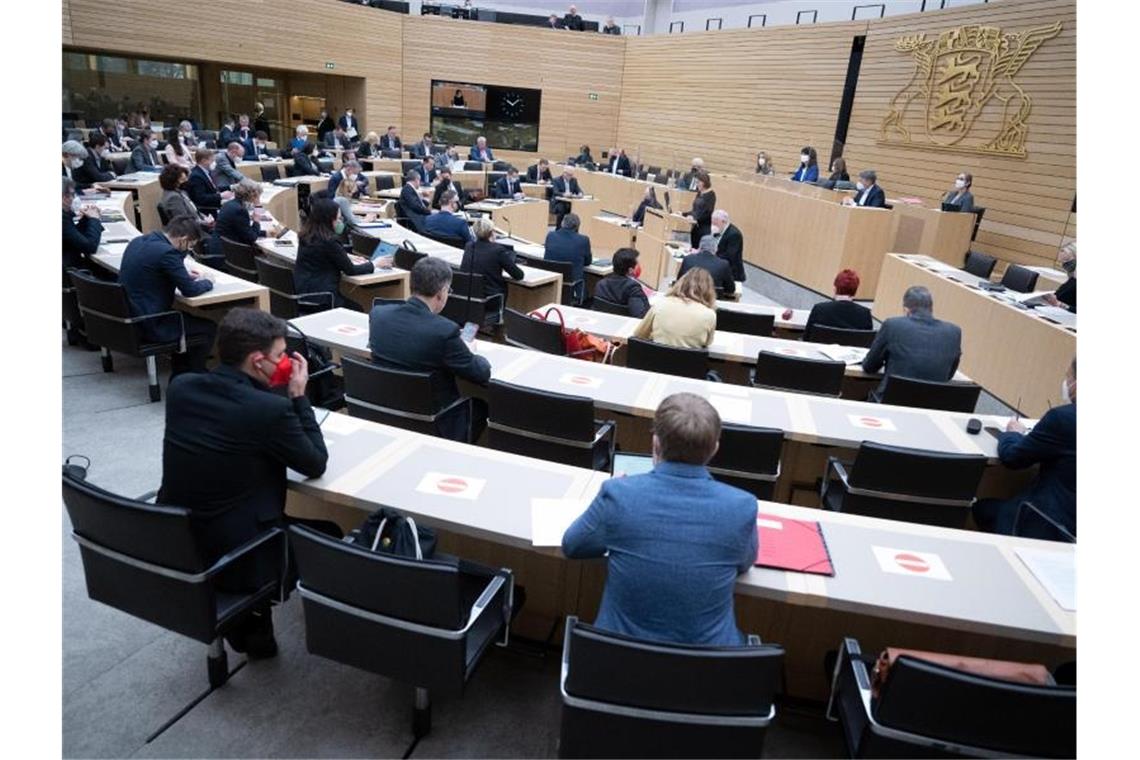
point(686, 317)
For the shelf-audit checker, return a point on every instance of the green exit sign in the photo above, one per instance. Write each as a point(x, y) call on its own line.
point(593, 96)
point(330, 65)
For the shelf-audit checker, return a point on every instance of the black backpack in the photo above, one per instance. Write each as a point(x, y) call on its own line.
point(390, 532)
point(325, 388)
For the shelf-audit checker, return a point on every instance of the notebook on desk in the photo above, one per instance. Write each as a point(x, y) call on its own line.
point(796, 545)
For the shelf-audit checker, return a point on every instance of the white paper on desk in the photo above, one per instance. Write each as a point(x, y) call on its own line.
point(732, 409)
point(845, 354)
point(1055, 571)
point(549, 519)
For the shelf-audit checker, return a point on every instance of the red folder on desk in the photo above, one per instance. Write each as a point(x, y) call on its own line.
point(796, 545)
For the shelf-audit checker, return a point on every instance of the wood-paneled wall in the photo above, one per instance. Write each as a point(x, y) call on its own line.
point(723, 96)
point(1027, 200)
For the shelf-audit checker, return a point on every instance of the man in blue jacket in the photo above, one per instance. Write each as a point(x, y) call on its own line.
point(676, 537)
point(413, 336)
point(448, 222)
point(566, 244)
point(153, 267)
point(1053, 444)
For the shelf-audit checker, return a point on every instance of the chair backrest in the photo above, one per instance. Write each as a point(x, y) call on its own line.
point(282, 290)
point(500, 167)
point(141, 558)
point(794, 373)
point(325, 165)
point(657, 357)
point(979, 264)
point(365, 245)
point(451, 240)
point(609, 307)
point(744, 322)
point(495, 176)
point(105, 310)
point(408, 165)
point(390, 396)
point(526, 331)
point(928, 394)
point(466, 285)
point(1019, 278)
point(240, 259)
point(468, 301)
point(1004, 717)
point(162, 215)
point(841, 335)
point(687, 701)
point(565, 268)
point(748, 458)
point(406, 258)
point(120, 164)
point(385, 182)
point(535, 411)
point(913, 485)
point(270, 173)
point(472, 166)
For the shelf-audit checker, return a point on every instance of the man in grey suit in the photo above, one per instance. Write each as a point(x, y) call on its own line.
point(226, 172)
point(916, 346)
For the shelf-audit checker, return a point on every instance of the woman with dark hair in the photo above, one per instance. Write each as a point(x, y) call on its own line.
point(838, 171)
point(809, 166)
point(649, 201)
point(961, 196)
point(175, 201)
point(457, 99)
point(622, 286)
point(176, 152)
point(764, 164)
point(703, 206)
point(305, 162)
point(584, 158)
point(320, 257)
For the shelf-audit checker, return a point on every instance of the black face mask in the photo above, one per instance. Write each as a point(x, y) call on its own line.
point(1070, 266)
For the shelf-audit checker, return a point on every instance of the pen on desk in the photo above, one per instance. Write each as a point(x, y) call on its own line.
point(1017, 409)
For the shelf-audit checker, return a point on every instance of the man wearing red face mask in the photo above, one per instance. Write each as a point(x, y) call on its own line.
point(622, 287)
point(228, 443)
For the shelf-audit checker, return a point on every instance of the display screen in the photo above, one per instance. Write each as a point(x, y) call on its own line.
point(506, 116)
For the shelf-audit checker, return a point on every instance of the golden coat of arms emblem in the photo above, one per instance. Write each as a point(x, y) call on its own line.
point(957, 77)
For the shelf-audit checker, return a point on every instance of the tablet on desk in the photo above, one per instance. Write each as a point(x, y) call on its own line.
point(384, 249)
point(631, 464)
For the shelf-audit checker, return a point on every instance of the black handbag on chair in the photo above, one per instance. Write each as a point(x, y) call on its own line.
point(389, 532)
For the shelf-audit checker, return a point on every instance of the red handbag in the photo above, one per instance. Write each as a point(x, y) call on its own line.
point(580, 344)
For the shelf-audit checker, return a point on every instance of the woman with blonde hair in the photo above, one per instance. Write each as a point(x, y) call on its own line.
point(686, 316)
point(369, 146)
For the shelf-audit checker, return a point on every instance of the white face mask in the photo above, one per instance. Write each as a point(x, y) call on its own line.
point(804, 158)
point(213, 165)
point(76, 163)
point(760, 162)
point(1065, 391)
point(76, 206)
point(860, 186)
point(959, 183)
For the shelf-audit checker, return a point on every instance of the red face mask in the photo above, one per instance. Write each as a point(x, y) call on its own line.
point(282, 372)
point(636, 272)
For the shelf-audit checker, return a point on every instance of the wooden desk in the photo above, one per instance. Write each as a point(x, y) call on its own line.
point(281, 203)
point(146, 192)
point(252, 169)
point(525, 249)
point(607, 234)
point(524, 219)
point(992, 606)
point(931, 232)
point(535, 189)
point(1014, 354)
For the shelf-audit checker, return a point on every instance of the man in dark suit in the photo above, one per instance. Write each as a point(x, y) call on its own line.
point(1053, 444)
point(200, 185)
point(729, 243)
point(870, 194)
point(227, 134)
point(448, 222)
point(95, 167)
point(337, 139)
point(413, 336)
point(618, 163)
point(554, 22)
point(228, 442)
point(324, 126)
point(689, 178)
point(622, 286)
point(390, 144)
point(424, 147)
point(427, 171)
point(611, 27)
point(245, 135)
point(507, 186)
point(539, 172)
point(116, 142)
point(917, 346)
point(572, 20)
point(568, 245)
point(349, 124)
point(153, 267)
point(411, 202)
point(446, 183)
point(480, 151)
point(80, 239)
point(144, 158)
point(563, 186)
point(843, 312)
point(706, 259)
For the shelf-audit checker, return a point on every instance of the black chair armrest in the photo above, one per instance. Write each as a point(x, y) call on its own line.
point(1028, 507)
point(840, 468)
point(231, 556)
point(849, 653)
point(320, 294)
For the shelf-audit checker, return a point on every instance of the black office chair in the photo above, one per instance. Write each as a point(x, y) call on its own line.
point(1019, 278)
point(406, 256)
point(792, 373)
point(492, 178)
point(385, 182)
point(273, 152)
point(241, 259)
point(163, 217)
point(107, 318)
point(551, 426)
point(654, 170)
point(657, 357)
point(500, 166)
point(525, 331)
point(468, 302)
point(144, 560)
point(119, 165)
point(928, 710)
point(426, 623)
point(748, 458)
point(979, 212)
point(927, 394)
point(979, 264)
point(206, 134)
point(401, 399)
point(325, 165)
point(910, 485)
point(570, 286)
point(409, 165)
point(627, 697)
point(284, 300)
point(840, 335)
point(449, 240)
point(363, 245)
point(609, 307)
point(270, 173)
point(472, 166)
point(1031, 522)
point(745, 323)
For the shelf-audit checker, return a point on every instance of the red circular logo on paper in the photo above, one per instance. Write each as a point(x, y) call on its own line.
point(912, 562)
point(452, 485)
point(580, 380)
point(871, 422)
